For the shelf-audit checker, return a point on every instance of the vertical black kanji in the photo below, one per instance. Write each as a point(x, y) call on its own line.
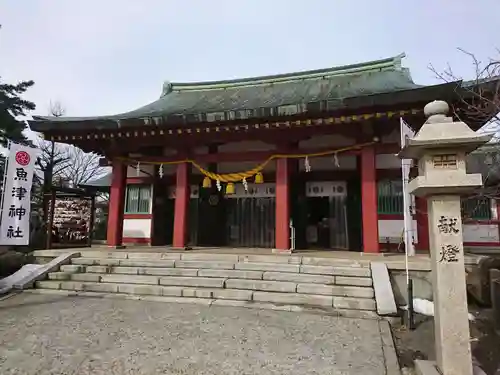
point(14, 233)
point(19, 192)
point(18, 212)
point(21, 175)
point(449, 253)
point(448, 225)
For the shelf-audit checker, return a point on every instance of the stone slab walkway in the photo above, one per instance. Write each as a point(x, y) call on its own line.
point(47, 334)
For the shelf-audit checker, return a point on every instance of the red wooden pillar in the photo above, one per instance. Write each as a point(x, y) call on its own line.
point(422, 223)
point(497, 217)
point(369, 200)
point(117, 204)
point(282, 205)
point(181, 206)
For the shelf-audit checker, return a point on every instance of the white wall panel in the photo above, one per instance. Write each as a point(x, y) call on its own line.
point(481, 233)
point(394, 230)
point(137, 228)
point(485, 233)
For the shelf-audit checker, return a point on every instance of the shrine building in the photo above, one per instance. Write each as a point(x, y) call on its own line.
point(291, 161)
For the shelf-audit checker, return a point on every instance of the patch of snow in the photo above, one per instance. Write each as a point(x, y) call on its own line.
point(426, 307)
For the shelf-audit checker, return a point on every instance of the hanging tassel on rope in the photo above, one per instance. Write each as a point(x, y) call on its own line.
point(307, 165)
point(336, 160)
point(160, 171)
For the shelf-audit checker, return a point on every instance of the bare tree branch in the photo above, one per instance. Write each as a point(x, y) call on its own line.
point(65, 162)
point(83, 167)
point(45, 162)
point(478, 102)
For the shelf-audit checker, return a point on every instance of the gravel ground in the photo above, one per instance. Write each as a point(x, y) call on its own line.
point(44, 334)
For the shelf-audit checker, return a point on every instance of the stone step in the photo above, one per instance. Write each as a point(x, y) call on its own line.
point(315, 300)
point(214, 282)
point(300, 299)
point(218, 273)
point(232, 258)
point(164, 263)
point(336, 271)
point(298, 277)
point(231, 274)
point(72, 268)
point(63, 276)
point(261, 266)
point(357, 314)
point(335, 290)
point(154, 271)
point(276, 286)
point(111, 288)
point(204, 264)
point(140, 266)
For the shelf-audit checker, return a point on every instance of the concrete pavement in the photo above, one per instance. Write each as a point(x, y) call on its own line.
point(47, 334)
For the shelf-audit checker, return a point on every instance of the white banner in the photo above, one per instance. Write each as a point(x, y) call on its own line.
point(406, 133)
point(16, 197)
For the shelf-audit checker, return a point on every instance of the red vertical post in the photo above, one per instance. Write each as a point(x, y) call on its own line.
point(422, 223)
point(282, 234)
point(181, 206)
point(497, 201)
point(369, 200)
point(117, 204)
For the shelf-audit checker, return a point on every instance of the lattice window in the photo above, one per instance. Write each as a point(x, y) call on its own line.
point(390, 197)
point(477, 208)
point(138, 199)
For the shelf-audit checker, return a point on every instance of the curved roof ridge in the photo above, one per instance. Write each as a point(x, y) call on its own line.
point(390, 63)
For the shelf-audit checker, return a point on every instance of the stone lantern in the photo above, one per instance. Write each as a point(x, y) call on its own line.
point(440, 147)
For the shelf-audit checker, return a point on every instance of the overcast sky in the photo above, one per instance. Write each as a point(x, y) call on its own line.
point(107, 56)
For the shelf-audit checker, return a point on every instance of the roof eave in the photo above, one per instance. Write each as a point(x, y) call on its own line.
point(407, 96)
point(42, 125)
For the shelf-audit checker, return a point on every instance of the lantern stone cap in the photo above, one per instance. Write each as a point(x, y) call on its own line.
point(441, 132)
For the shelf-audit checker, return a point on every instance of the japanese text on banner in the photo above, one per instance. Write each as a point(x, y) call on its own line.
point(16, 209)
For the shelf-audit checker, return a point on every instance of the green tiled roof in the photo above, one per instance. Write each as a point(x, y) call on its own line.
point(333, 85)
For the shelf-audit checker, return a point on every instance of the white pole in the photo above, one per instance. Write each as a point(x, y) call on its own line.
point(4, 179)
point(292, 236)
point(407, 219)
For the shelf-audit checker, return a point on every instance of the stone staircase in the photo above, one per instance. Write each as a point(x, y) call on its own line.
point(278, 282)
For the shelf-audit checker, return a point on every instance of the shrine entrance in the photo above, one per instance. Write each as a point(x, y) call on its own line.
point(250, 220)
point(162, 214)
point(326, 226)
point(210, 218)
